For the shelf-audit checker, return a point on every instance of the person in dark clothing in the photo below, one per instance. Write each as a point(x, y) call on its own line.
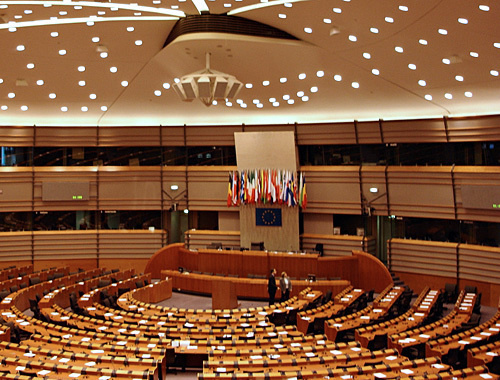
point(271, 286)
point(286, 286)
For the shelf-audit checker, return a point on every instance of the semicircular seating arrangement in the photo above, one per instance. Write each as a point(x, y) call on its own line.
point(101, 324)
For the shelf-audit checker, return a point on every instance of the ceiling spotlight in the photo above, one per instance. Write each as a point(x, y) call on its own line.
point(207, 85)
point(373, 189)
point(174, 187)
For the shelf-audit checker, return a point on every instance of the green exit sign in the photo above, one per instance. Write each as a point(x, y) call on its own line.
point(496, 205)
point(77, 197)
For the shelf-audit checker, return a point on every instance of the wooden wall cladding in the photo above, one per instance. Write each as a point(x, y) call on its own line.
point(175, 175)
point(483, 128)
point(207, 187)
point(338, 245)
point(129, 244)
point(426, 257)
point(321, 134)
point(17, 189)
point(15, 247)
point(211, 136)
point(129, 188)
point(375, 177)
point(64, 245)
point(478, 176)
point(16, 136)
point(370, 132)
point(425, 192)
point(420, 262)
point(65, 136)
point(129, 136)
point(64, 174)
point(411, 131)
point(333, 189)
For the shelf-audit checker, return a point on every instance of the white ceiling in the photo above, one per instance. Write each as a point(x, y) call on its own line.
point(393, 92)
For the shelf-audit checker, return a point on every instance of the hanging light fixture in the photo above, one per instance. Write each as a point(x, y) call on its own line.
point(207, 85)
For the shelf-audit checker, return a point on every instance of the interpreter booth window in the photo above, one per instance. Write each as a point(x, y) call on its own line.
point(15, 156)
point(57, 156)
point(211, 155)
point(130, 156)
point(15, 221)
point(433, 229)
point(319, 155)
point(60, 221)
point(131, 220)
point(174, 155)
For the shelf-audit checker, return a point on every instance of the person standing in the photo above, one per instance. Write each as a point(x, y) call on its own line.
point(271, 286)
point(286, 286)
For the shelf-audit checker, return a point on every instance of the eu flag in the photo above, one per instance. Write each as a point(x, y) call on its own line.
point(268, 217)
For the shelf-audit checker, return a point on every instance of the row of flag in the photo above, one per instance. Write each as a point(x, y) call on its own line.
point(261, 186)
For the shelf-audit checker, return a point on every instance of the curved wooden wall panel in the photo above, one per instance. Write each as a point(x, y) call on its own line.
point(420, 263)
point(200, 239)
point(207, 187)
point(129, 136)
point(16, 246)
point(17, 136)
point(482, 128)
point(330, 133)
point(370, 132)
point(333, 189)
point(66, 136)
point(17, 189)
point(209, 136)
point(410, 131)
point(338, 245)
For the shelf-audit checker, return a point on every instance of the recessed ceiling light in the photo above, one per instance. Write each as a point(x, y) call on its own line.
point(302, 76)
point(399, 49)
point(130, 29)
point(64, 109)
point(28, 11)
point(52, 95)
point(462, 20)
point(1, 80)
point(20, 48)
point(166, 85)
point(446, 61)
point(286, 97)
point(256, 101)
point(459, 78)
point(30, 66)
point(308, 30)
point(352, 38)
point(374, 30)
point(138, 42)
point(113, 69)
point(101, 13)
point(320, 74)
point(24, 108)
point(283, 80)
point(337, 10)
point(78, 7)
point(124, 83)
point(4, 108)
point(248, 85)
point(272, 100)
point(226, 5)
point(494, 73)
point(474, 54)
point(403, 8)
point(422, 83)
point(497, 45)
point(81, 83)
point(85, 109)
point(288, 5)
point(260, 105)
point(276, 104)
point(40, 82)
point(62, 52)
point(265, 83)
point(314, 89)
point(390, 20)
point(428, 97)
point(63, 13)
point(12, 29)
point(177, 80)
point(114, 9)
point(448, 96)
point(337, 77)
point(282, 15)
point(327, 21)
point(367, 55)
point(444, 32)
point(157, 93)
point(11, 95)
point(103, 54)
point(300, 94)
point(90, 23)
point(468, 94)
point(375, 72)
point(95, 39)
point(290, 101)
point(54, 34)
point(93, 96)
point(355, 85)
point(412, 66)
point(81, 69)
point(104, 108)
point(305, 98)
point(484, 8)
point(18, 17)
point(422, 42)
